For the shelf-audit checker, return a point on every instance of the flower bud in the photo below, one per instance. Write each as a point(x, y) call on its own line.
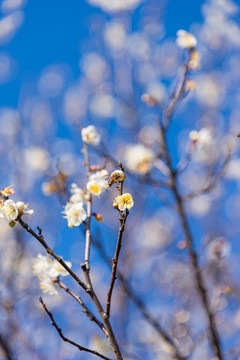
point(116, 177)
point(98, 217)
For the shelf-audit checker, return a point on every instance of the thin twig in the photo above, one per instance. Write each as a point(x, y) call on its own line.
point(122, 219)
point(81, 348)
point(139, 304)
point(5, 348)
point(212, 182)
point(86, 310)
point(111, 337)
point(40, 238)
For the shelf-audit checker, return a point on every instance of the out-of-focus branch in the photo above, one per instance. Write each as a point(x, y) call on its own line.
point(212, 181)
point(6, 348)
point(86, 310)
point(193, 255)
point(177, 95)
point(81, 348)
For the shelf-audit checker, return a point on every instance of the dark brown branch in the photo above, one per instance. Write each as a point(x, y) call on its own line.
point(5, 348)
point(86, 310)
point(89, 290)
point(138, 303)
point(122, 219)
point(81, 348)
point(40, 238)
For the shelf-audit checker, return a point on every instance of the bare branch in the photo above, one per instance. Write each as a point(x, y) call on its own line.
point(215, 342)
point(86, 310)
point(211, 182)
point(122, 219)
point(81, 348)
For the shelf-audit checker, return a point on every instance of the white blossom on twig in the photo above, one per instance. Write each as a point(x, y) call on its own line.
point(124, 202)
point(90, 135)
point(186, 40)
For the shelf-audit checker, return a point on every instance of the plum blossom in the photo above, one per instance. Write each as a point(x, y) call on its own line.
point(90, 135)
point(97, 183)
point(186, 40)
point(139, 158)
point(78, 194)
point(75, 214)
point(201, 138)
point(47, 271)
point(12, 210)
point(124, 202)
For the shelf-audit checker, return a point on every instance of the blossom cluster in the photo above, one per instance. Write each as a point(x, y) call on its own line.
point(48, 271)
point(12, 210)
point(74, 211)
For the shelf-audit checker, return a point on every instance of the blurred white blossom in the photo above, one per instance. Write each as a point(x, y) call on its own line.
point(90, 135)
point(115, 36)
point(11, 5)
point(37, 159)
point(103, 105)
point(186, 40)
point(115, 5)
point(202, 138)
point(77, 194)
point(47, 270)
point(139, 158)
point(9, 25)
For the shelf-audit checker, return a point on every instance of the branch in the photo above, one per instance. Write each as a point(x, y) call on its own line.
point(5, 347)
point(212, 182)
point(215, 342)
point(40, 238)
point(139, 304)
point(122, 219)
point(81, 348)
point(86, 310)
point(90, 291)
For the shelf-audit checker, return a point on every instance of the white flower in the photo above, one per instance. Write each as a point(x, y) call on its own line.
point(97, 183)
point(75, 214)
point(77, 194)
point(58, 270)
point(139, 158)
point(90, 135)
point(9, 209)
point(47, 285)
point(186, 40)
point(47, 271)
point(202, 138)
point(23, 209)
point(41, 265)
point(124, 201)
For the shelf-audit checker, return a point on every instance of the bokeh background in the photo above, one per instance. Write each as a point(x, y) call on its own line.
point(67, 64)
